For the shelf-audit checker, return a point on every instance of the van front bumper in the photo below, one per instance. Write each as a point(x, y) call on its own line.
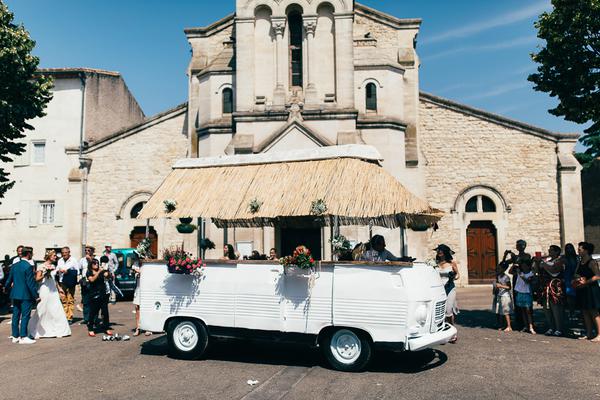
point(431, 339)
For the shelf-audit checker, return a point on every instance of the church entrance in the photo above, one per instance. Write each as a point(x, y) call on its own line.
point(482, 252)
point(294, 237)
point(139, 233)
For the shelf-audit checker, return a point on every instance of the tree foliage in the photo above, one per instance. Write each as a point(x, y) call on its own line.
point(570, 65)
point(23, 93)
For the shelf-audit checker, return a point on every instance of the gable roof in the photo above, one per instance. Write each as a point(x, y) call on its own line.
point(497, 119)
point(132, 130)
point(209, 30)
point(280, 133)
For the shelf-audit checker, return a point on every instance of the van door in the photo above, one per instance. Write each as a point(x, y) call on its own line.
point(258, 294)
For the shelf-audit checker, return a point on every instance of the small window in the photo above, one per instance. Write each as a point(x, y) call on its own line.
point(47, 209)
point(471, 206)
point(487, 204)
point(371, 95)
point(227, 101)
point(39, 153)
point(135, 210)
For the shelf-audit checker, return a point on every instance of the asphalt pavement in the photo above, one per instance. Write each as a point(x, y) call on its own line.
point(484, 364)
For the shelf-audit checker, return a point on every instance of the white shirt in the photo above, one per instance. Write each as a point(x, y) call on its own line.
point(521, 286)
point(113, 261)
point(63, 266)
point(16, 260)
point(376, 256)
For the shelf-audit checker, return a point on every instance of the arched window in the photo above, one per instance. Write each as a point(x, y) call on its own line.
point(471, 206)
point(295, 27)
point(136, 209)
point(371, 97)
point(227, 101)
point(480, 204)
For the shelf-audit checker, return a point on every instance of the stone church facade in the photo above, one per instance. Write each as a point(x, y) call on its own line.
point(295, 74)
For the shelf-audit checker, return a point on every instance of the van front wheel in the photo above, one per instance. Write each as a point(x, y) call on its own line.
point(347, 350)
point(187, 339)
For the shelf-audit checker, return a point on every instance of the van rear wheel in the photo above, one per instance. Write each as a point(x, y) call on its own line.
point(347, 350)
point(187, 339)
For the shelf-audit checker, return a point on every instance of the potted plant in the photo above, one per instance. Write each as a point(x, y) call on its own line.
point(182, 263)
point(185, 228)
point(340, 245)
point(300, 262)
point(186, 221)
point(206, 244)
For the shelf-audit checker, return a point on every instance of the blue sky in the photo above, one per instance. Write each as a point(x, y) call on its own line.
point(472, 51)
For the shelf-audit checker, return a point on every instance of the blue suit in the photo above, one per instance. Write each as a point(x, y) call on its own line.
point(23, 294)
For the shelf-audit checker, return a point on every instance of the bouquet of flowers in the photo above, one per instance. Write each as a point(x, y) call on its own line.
point(47, 270)
point(143, 248)
point(301, 258)
point(180, 262)
point(340, 244)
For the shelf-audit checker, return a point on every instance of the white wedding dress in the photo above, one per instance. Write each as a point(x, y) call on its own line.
point(49, 319)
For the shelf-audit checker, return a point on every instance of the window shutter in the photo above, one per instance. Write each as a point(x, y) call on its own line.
point(23, 159)
point(34, 213)
point(58, 214)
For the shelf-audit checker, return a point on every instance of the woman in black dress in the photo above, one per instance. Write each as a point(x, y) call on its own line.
point(585, 282)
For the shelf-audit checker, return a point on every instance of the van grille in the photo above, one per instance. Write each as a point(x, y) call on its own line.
point(440, 315)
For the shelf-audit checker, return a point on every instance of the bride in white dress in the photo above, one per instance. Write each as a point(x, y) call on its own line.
point(49, 319)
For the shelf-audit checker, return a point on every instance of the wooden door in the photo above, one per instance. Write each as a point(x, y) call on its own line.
point(482, 252)
point(139, 233)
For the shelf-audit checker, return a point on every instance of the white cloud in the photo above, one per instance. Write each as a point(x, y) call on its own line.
point(508, 44)
point(533, 10)
point(498, 90)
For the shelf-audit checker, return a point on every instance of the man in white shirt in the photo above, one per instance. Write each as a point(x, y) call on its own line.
point(68, 270)
point(113, 265)
point(17, 258)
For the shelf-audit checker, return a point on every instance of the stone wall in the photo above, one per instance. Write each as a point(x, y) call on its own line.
point(591, 203)
point(127, 171)
point(462, 150)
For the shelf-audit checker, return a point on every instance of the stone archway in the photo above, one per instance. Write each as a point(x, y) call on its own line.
point(480, 214)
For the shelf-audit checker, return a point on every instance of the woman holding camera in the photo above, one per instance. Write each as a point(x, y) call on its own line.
point(98, 296)
point(449, 273)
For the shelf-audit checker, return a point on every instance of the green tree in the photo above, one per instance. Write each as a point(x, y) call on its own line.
point(570, 66)
point(23, 93)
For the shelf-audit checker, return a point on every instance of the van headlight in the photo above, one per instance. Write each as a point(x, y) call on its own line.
point(421, 313)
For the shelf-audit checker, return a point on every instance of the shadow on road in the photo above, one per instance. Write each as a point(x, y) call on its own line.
point(302, 356)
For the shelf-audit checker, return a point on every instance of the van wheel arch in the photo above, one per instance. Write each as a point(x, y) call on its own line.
point(187, 337)
point(346, 349)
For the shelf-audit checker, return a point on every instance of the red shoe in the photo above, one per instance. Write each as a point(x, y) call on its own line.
point(109, 332)
point(92, 334)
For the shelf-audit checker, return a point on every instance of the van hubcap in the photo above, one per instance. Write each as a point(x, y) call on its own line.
point(345, 346)
point(185, 336)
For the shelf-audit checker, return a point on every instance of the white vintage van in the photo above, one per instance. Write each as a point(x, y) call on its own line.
point(346, 309)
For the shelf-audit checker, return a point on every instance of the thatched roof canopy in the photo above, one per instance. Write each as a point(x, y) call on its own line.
point(348, 179)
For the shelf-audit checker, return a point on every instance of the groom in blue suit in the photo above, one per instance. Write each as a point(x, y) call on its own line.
point(24, 294)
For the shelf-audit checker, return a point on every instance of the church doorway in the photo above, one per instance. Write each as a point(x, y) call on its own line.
point(290, 238)
point(139, 233)
point(482, 252)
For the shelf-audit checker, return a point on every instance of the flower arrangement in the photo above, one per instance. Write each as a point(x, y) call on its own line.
point(170, 206)
point(180, 262)
point(143, 248)
point(318, 207)
point(254, 206)
point(340, 244)
point(301, 258)
point(432, 263)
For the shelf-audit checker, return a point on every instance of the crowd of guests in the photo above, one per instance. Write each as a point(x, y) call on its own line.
point(50, 287)
point(562, 283)
point(230, 254)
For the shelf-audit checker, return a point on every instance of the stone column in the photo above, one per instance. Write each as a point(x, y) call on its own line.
point(570, 195)
point(311, 97)
point(344, 62)
point(244, 74)
point(279, 96)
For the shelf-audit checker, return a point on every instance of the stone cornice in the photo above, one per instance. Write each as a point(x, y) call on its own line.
point(366, 122)
point(218, 127)
point(498, 119)
point(379, 66)
point(387, 19)
point(205, 31)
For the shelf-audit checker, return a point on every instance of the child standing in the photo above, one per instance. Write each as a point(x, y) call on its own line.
point(523, 294)
point(503, 305)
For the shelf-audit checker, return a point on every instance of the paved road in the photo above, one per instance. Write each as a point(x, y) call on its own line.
point(484, 364)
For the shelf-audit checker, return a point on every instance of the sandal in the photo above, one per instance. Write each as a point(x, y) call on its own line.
point(92, 334)
point(136, 332)
point(582, 338)
point(148, 333)
point(596, 339)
